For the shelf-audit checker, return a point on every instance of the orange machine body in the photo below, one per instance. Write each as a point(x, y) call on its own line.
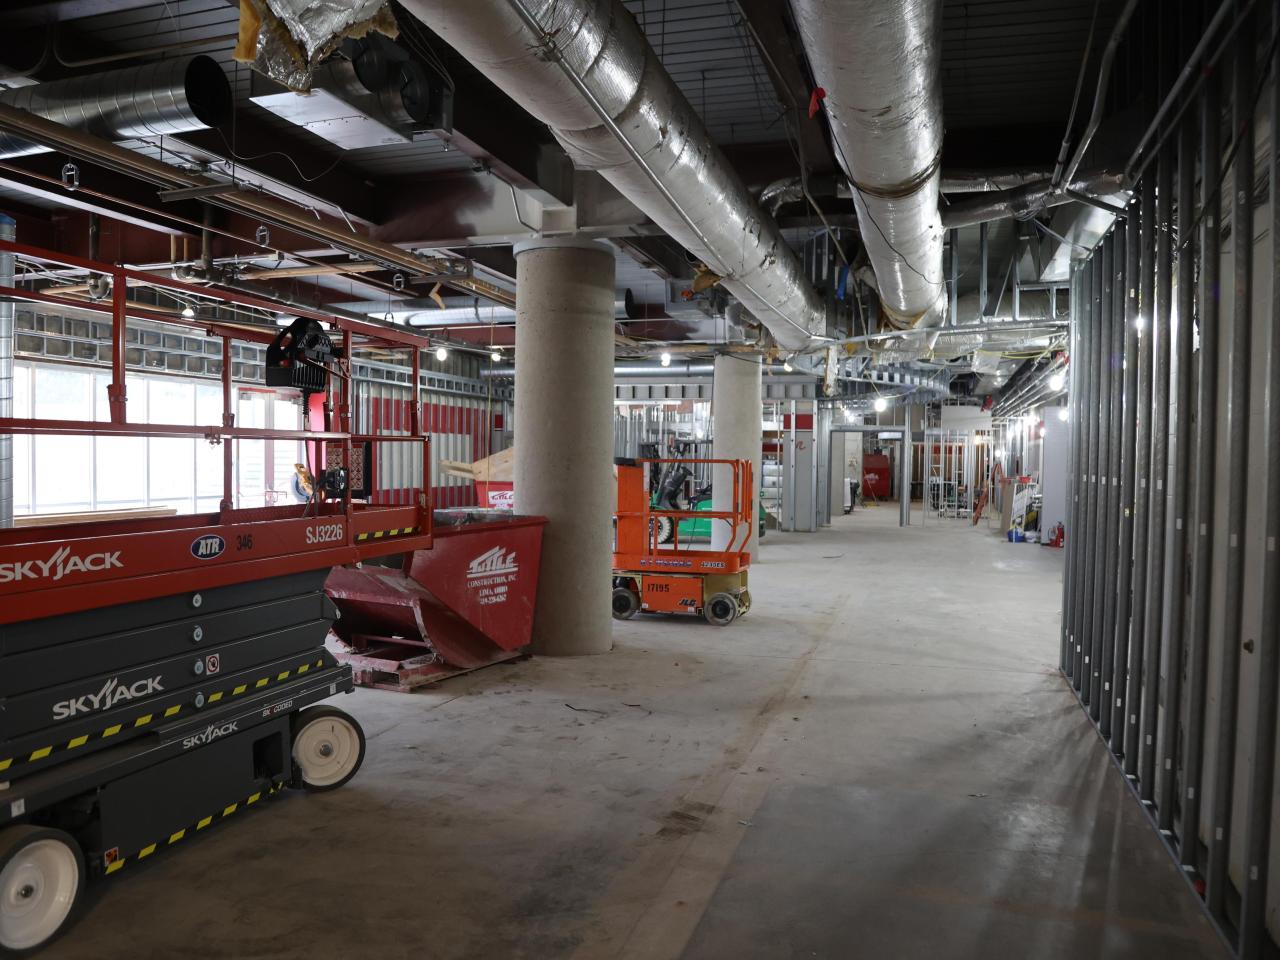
point(676, 578)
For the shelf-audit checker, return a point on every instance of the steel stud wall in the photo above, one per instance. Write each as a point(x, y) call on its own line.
point(1171, 585)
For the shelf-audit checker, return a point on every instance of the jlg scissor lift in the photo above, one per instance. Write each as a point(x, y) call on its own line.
point(159, 675)
point(673, 578)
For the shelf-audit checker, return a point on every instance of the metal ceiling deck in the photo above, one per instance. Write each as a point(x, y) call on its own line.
point(707, 48)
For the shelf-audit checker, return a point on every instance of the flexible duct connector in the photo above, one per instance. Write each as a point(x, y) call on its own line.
point(7, 232)
point(710, 211)
point(1024, 201)
point(879, 66)
point(156, 99)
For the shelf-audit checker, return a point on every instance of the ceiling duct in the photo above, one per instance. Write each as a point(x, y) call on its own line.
point(878, 64)
point(155, 99)
point(584, 68)
point(372, 95)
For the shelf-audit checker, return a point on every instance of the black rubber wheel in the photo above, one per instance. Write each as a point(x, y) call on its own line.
point(328, 748)
point(721, 609)
point(625, 603)
point(42, 878)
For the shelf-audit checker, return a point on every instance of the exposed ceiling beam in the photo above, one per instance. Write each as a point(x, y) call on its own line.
point(29, 13)
point(767, 22)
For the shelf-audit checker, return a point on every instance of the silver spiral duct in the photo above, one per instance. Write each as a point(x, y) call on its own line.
point(584, 68)
point(155, 99)
point(879, 65)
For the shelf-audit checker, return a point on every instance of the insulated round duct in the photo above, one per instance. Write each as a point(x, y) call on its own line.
point(156, 99)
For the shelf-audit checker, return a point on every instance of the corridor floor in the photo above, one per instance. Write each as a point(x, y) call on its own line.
point(879, 761)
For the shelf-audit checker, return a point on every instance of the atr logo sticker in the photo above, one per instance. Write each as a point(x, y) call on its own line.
point(211, 733)
point(62, 563)
point(206, 548)
point(112, 693)
point(491, 573)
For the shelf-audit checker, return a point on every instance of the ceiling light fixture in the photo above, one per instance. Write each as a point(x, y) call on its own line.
point(188, 312)
point(442, 353)
point(881, 405)
point(665, 359)
point(1056, 381)
point(1064, 414)
point(495, 356)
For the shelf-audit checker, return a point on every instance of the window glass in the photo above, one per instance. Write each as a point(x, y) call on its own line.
point(208, 455)
point(22, 444)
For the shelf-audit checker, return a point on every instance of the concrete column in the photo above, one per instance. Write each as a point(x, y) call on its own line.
point(564, 435)
point(736, 412)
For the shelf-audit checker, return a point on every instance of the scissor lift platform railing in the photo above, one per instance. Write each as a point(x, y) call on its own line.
point(158, 674)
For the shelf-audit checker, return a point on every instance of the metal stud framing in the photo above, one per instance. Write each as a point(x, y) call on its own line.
point(1182, 678)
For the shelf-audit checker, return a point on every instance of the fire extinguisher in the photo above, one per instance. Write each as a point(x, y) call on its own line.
point(1056, 536)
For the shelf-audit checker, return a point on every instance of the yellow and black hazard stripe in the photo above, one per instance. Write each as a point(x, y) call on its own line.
point(147, 719)
point(112, 862)
point(385, 534)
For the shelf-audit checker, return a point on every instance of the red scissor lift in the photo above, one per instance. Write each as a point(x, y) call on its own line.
point(158, 675)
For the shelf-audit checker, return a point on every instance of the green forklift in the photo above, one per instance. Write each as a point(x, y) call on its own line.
point(667, 491)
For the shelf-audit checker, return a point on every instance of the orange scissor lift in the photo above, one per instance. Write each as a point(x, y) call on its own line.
point(673, 578)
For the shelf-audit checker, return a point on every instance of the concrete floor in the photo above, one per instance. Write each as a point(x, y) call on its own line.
point(879, 761)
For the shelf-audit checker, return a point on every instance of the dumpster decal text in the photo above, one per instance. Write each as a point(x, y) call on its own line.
point(491, 574)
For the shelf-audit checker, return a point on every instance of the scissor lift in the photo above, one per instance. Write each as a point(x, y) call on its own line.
point(160, 675)
point(674, 578)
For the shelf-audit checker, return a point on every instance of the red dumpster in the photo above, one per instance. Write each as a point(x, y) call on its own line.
point(466, 603)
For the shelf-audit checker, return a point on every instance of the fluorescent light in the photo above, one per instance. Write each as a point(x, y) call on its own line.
point(442, 353)
point(1056, 381)
point(881, 405)
point(1139, 322)
point(665, 359)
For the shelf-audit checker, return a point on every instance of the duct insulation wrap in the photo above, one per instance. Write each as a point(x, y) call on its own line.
point(710, 212)
point(7, 232)
point(878, 64)
point(291, 37)
point(155, 99)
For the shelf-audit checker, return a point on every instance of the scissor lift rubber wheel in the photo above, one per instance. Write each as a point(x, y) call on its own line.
point(625, 603)
point(721, 609)
point(328, 748)
point(42, 880)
